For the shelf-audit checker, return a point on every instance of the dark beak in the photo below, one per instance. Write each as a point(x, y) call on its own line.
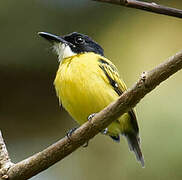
point(52, 38)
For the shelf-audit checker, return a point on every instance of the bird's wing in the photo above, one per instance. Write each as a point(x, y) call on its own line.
point(112, 75)
point(117, 84)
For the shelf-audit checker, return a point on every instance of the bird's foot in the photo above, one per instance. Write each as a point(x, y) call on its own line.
point(70, 132)
point(91, 116)
point(105, 131)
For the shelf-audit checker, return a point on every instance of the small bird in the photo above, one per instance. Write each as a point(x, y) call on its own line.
point(86, 82)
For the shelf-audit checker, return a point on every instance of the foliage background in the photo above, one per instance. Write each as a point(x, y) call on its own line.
point(136, 41)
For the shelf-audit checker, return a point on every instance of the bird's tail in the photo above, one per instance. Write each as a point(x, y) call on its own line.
point(134, 145)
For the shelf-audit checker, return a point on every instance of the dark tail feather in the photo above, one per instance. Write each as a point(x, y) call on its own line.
point(115, 138)
point(134, 145)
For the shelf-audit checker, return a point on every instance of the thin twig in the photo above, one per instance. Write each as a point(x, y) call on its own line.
point(151, 7)
point(56, 152)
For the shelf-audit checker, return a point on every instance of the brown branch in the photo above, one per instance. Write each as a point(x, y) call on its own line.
point(5, 161)
point(56, 152)
point(151, 7)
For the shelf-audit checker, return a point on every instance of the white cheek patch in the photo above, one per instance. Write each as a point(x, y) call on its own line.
point(63, 51)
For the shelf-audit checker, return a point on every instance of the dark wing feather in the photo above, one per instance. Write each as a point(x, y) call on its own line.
point(119, 87)
point(117, 84)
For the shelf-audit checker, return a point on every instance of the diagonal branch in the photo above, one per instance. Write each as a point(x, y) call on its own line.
point(151, 7)
point(58, 151)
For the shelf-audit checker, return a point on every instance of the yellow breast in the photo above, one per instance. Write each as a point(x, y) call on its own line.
point(81, 88)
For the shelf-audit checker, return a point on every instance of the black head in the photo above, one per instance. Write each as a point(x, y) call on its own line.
point(78, 43)
point(81, 43)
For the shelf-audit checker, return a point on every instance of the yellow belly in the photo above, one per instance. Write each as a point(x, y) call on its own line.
point(83, 91)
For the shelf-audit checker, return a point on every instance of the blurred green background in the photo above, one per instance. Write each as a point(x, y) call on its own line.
point(136, 41)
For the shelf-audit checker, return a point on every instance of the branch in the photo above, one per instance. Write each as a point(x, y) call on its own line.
point(151, 7)
point(5, 161)
point(56, 152)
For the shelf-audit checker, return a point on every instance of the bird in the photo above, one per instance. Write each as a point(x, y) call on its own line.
point(86, 82)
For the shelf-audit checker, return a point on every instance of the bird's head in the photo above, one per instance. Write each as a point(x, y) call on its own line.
point(72, 44)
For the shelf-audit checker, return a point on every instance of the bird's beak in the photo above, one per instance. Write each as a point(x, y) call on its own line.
point(52, 38)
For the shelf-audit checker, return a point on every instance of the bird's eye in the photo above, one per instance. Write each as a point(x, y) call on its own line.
point(79, 40)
